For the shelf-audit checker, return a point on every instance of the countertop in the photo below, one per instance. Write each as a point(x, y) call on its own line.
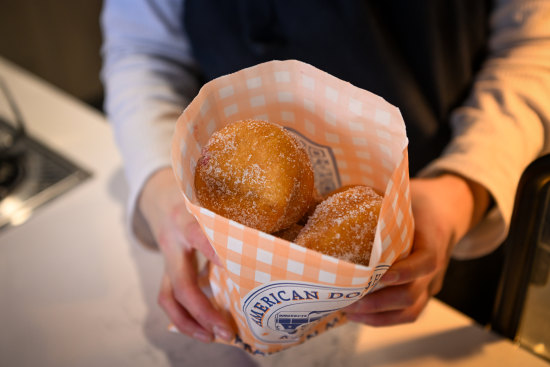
point(76, 290)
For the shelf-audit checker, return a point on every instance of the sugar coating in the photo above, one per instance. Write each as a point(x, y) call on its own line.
point(256, 173)
point(344, 225)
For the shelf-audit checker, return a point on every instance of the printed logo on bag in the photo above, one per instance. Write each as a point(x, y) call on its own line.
point(285, 311)
point(323, 162)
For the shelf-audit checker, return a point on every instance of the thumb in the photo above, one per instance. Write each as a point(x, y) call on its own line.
point(195, 238)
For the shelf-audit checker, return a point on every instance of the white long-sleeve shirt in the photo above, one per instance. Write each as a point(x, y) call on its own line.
point(150, 77)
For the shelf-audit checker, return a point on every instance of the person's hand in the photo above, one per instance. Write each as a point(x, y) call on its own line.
point(178, 236)
point(444, 209)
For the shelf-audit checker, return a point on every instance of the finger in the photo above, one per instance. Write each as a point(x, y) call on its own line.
point(188, 294)
point(388, 318)
point(437, 283)
point(195, 237)
point(191, 234)
point(178, 315)
point(391, 298)
point(182, 271)
point(422, 261)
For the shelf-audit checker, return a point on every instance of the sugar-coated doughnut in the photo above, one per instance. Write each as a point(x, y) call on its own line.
point(256, 173)
point(336, 191)
point(344, 225)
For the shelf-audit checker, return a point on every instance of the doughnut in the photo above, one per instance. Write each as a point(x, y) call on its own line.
point(317, 199)
point(344, 225)
point(255, 173)
point(336, 191)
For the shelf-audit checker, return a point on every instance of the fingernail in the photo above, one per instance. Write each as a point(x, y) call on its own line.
point(202, 336)
point(390, 277)
point(223, 333)
point(173, 329)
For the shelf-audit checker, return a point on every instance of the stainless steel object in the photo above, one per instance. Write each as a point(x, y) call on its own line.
point(31, 174)
point(522, 308)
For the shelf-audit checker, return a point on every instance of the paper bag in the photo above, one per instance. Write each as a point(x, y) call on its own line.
point(279, 294)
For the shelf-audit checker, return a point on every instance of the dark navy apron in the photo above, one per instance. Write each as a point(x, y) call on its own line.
point(419, 55)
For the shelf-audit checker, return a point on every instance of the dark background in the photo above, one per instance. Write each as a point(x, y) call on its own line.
point(58, 40)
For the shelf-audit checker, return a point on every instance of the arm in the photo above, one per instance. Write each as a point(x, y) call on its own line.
point(505, 123)
point(500, 129)
point(150, 76)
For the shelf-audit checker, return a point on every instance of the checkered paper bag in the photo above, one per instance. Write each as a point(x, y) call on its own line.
point(279, 294)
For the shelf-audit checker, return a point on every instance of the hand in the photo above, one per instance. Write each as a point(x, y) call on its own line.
point(444, 209)
point(178, 236)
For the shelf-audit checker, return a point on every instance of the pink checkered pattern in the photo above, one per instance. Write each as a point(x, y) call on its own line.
point(367, 137)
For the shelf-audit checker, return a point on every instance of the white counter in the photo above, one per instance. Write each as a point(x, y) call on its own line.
point(75, 291)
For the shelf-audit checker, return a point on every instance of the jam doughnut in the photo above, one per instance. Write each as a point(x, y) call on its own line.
point(344, 225)
point(255, 173)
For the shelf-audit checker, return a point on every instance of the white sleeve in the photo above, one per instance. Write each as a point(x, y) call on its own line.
point(504, 124)
point(149, 77)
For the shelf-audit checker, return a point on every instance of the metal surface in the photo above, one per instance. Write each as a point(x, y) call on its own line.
point(534, 327)
point(522, 307)
point(30, 173)
point(44, 175)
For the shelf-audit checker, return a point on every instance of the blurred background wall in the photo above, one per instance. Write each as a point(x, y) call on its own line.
point(58, 40)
